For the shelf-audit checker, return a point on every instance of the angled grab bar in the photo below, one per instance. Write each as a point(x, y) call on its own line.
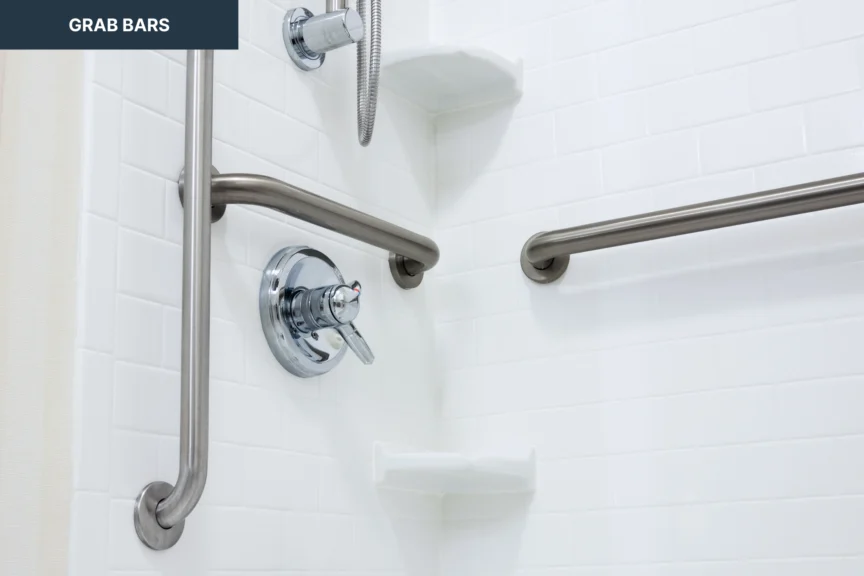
point(161, 508)
point(546, 255)
point(410, 254)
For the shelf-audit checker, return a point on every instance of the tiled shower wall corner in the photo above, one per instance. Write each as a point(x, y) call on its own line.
point(290, 484)
point(695, 402)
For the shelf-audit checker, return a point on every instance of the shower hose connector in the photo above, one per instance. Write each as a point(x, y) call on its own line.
point(308, 38)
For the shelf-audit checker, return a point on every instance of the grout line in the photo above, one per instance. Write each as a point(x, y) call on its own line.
point(701, 503)
point(669, 395)
point(841, 318)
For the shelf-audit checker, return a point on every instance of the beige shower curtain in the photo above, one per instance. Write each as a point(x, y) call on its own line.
point(40, 180)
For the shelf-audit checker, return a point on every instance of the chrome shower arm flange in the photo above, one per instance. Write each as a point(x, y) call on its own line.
point(299, 53)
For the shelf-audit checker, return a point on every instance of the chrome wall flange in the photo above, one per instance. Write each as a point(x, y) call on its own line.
point(149, 531)
point(308, 311)
point(403, 278)
point(551, 270)
point(300, 54)
point(217, 211)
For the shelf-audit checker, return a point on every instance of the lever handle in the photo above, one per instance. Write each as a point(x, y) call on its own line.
point(356, 342)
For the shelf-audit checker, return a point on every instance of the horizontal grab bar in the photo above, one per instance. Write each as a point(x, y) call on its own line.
point(410, 254)
point(546, 255)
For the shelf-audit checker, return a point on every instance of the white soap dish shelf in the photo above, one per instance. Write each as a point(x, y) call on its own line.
point(445, 78)
point(453, 473)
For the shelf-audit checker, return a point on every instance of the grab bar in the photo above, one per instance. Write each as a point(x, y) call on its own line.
point(410, 254)
point(161, 508)
point(546, 255)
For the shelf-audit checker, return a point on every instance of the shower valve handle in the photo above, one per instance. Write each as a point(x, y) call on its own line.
point(334, 306)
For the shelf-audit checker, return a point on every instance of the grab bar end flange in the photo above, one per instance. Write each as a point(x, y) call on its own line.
point(147, 526)
point(551, 271)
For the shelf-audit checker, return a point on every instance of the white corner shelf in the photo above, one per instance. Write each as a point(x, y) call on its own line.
point(446, 78)
point(451, 473)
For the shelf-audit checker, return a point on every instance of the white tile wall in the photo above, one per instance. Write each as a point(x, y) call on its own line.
point(289, 484)
point(693, 400)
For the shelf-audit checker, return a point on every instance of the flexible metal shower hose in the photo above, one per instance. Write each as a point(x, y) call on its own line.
point(368, 71)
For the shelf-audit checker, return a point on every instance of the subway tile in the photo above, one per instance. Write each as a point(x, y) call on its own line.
point(699, 100)
point(263, 33)
point(236, 547)
point(563, 84)
point(480, 293)
point(88, 534)
point(810, 168)
point(254, 73)
point(170, 344)
point(283, 141)
point(138, 331)
point(824, 21)
point(134, 462)
point(651, 161)
point(149, 268)
point(643, 64)
point(245, 415)
point(226, 477)
point(142, 198)
point(145, 79)
point(173, 228)
point(455, 343)
point(280, 481)
point(704, 189)
point(104, 153)
point(93, 412)
point(177, 92)
point(301, 541)
point(108, 69)
point(231, 117)
point(755, 531)
point(600, 124)
point(500, 241)
point(226, 351)
point(152, 142)
point(547, 541)
point(835, 123)
point(457, 250)
point(602, 25)
point(307, 99)
point(562, 180)
point(244, 18)
point(667, 15)
point(124, 551)
point(805, 76)
point(753, 140)
point(530, 42)
point(760, 34)
point(99, 279)
point(145, 399)
point(526, 140)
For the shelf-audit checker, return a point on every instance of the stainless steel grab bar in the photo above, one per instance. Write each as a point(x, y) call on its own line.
point(161, 508)
point(410, 254)
point(546, 255)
